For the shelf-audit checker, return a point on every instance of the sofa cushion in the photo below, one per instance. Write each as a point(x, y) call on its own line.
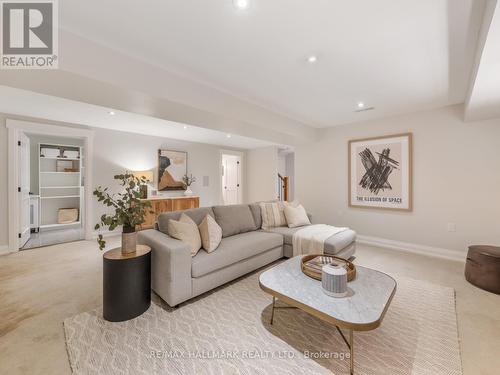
point(186, 230)
point(197, 214)
point(333, 244)
point(273, 214)
point(286, 232)
point(257, 214)
point(296, 216)
point(234, 249)
point(234, 219)
point(339, 241)
point(211, 233)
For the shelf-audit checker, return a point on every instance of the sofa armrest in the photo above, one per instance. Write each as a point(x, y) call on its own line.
point(170, 266)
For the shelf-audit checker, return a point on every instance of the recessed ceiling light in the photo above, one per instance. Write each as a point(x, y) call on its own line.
point(361, 105)
point(228, 135)
point(312, 59)
point(111, 113)
point(185, 127)
point(241, 4)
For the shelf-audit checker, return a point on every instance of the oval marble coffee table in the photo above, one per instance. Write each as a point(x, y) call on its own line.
point(369, 297)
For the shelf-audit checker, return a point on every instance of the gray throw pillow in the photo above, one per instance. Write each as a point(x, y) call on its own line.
point(257, 215)
point(234, 219)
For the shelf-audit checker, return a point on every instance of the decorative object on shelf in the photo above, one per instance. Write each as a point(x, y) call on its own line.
point(334, 280)
point(380, 172)
point(482, 267)
point(172, 165)
point(50, 152)
point(148, 176)
point(188, 181)
point(312, 265)
point(71, 154)
point(67, 215)
point(67, 165)
point(130, 210)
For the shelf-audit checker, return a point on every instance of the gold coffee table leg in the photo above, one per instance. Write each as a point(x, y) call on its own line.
point(272, 311)
point(351, 348)
point(350, 345)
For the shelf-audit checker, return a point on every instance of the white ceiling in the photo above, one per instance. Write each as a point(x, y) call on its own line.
point(396, 55)
point(27, 103)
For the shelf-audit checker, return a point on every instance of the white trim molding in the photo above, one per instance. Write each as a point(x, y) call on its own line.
point(430, 251)
point(4, 249)
point(106, 233)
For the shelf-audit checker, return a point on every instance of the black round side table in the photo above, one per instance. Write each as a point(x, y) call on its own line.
point(126, 283)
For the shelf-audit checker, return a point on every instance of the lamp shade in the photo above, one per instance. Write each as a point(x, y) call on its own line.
point(148, 175)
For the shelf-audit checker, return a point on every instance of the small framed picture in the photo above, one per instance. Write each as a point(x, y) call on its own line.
point(380, 172)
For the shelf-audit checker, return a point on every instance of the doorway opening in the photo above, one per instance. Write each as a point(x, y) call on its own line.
point(231, 177)
point(49, 176)
point(51, 198)
point(286, 174)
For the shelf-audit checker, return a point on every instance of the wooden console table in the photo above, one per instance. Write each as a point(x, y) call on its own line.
point(161, 204)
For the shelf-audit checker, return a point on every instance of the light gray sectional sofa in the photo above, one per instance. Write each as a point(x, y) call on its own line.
point(245, 247)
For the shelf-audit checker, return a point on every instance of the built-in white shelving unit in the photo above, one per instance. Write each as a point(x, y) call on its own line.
point(60, 183)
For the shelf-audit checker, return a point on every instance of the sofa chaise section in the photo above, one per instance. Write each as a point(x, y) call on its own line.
point(342, 244)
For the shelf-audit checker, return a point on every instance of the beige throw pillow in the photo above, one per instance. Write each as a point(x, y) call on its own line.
point(211, 233)
point(186, 231)
point(296, 216)
point(272, 215)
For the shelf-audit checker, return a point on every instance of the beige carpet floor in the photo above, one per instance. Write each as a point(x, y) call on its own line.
point(227, 332)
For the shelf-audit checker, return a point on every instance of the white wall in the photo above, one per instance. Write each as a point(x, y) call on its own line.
point(262, 174)
point(115, 152)
point(456, 173)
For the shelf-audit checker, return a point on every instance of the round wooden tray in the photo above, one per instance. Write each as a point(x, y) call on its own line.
point(315, 274)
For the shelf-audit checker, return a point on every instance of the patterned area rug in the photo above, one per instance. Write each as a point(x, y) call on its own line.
point(228, 332)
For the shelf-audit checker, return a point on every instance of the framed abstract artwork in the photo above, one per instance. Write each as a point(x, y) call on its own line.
point(380, 172)
point(172, 165)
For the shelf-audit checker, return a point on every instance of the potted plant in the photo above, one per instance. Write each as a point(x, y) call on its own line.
point(130, 210)
point(188, 181)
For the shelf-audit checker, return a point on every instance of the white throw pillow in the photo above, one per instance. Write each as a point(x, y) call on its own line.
point(211, 233)
point(272, 215)
point(296, 216)
point(186, 231)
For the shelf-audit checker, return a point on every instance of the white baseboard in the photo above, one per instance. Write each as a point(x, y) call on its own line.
point(106, 233)
point(435, 252)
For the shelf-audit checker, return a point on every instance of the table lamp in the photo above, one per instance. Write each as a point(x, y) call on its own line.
point(148, 175)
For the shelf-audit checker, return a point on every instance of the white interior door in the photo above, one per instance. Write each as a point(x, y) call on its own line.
point(24, 189)
point(231, 179)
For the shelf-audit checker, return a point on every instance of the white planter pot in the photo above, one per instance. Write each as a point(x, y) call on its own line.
point(188, 191)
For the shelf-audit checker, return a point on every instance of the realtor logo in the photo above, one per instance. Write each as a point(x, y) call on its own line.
point(29, 34)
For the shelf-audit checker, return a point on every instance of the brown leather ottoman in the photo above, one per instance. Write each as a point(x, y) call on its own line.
point(483, 267)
